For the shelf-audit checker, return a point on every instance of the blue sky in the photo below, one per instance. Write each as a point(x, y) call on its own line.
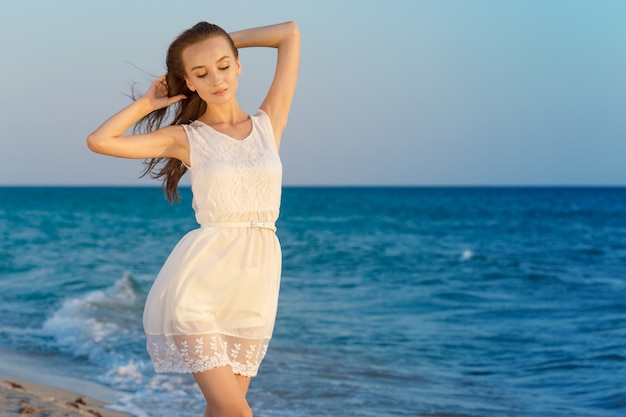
point(391, 92)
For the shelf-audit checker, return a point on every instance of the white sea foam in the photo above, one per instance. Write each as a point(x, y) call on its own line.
point(130, 370)
point(95, 324)
point(72, 327)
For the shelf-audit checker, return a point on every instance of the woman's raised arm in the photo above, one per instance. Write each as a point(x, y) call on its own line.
point(109, 139)
point(286, 38)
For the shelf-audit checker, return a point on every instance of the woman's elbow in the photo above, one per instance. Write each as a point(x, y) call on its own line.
point(94, 143)
point(294, 29)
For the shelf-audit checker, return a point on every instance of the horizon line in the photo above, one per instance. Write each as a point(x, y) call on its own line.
point(331, 186)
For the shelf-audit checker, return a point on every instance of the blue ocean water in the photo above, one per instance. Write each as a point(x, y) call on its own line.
point(394, 301)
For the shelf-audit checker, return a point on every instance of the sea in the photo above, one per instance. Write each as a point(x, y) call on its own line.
point(395, 301)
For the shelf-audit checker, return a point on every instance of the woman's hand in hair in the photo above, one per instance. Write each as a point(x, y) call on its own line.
point(110, 137)
point(157, 95)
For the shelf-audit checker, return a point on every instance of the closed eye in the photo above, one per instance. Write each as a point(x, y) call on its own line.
point(201, 75)
point(224, 68)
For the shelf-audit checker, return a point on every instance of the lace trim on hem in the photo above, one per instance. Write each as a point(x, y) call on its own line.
point(173, 369)
point(199, 353)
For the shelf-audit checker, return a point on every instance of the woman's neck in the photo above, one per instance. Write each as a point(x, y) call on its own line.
point(227, 114)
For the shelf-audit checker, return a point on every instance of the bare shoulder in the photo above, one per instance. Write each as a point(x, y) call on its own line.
point(176, 132)
point(176, 135)
point(178, 142)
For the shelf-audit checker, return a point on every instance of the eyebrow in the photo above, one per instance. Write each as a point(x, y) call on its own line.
point(204, 66)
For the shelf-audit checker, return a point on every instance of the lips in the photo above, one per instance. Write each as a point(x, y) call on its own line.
point(220, 92)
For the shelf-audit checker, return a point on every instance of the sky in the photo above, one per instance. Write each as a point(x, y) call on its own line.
point(394, 92)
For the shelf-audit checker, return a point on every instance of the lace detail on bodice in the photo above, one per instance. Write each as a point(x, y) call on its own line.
point(234, 180)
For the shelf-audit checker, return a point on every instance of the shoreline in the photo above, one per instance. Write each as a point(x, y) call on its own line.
point(29, 385)
point(19, 398)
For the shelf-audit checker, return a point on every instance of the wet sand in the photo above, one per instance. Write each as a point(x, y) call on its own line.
point(23, 398)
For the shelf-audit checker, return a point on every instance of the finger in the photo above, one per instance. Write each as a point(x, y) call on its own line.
point(160, 82)
point(177, 98)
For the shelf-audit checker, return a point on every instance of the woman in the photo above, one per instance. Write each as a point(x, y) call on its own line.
point(211, 309)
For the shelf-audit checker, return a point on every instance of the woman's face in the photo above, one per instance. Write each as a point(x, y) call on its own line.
point(212, 69)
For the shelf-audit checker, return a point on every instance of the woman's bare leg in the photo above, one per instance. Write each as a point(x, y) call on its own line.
point(207, 412)
point(244, 383)
point(225, 392)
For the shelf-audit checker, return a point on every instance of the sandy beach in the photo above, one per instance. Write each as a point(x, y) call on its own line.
point(53, 394)
point(22, 398)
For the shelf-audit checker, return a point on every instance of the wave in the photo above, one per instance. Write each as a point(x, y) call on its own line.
point(104, 328)
point(94, 324)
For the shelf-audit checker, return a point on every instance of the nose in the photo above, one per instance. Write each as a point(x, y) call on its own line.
point(216, 79)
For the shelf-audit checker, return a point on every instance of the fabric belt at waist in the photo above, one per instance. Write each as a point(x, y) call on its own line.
point(254, 224)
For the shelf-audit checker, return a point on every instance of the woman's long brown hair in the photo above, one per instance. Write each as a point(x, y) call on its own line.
point(171, 170)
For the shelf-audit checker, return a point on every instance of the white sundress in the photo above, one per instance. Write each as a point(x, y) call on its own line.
point(214, 301)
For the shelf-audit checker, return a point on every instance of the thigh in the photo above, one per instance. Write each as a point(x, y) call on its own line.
point(244, 383)
point(223, 392)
